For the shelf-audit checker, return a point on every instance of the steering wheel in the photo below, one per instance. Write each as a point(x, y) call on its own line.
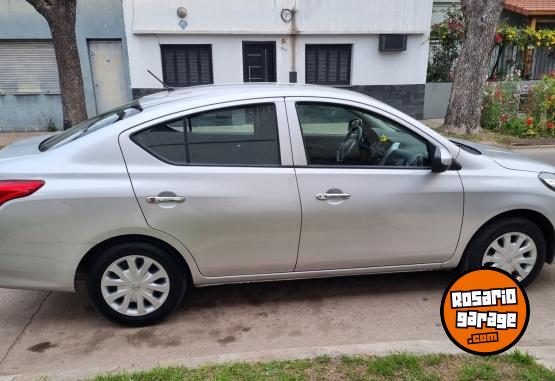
point(388, 153)
point(415, 161)
point(351, 140)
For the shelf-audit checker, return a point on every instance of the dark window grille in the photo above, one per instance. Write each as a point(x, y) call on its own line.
point(328, 64)
point(187, 65)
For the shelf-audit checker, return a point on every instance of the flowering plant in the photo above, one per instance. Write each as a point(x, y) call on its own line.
point(447, 37)
point(525, 37)
point(500, 103)
point(503, 111)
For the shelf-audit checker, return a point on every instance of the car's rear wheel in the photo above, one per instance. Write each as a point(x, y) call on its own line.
point(136, 283)
point(514, 245)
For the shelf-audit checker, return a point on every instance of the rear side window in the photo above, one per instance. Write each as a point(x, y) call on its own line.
point(244, 135)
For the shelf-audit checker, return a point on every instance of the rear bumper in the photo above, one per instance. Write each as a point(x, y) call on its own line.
point(40, 266)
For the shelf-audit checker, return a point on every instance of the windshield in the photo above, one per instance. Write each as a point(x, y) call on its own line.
point(94, 124)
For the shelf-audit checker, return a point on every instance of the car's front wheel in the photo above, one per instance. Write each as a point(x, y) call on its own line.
point(514, 245)
point(136, 283)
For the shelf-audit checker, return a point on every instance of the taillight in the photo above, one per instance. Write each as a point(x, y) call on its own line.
point(12, 189)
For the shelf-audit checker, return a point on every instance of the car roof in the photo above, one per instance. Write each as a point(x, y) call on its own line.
point(233, 92)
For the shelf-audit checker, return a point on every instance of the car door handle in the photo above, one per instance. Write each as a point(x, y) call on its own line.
point(332, 196)
point(165, 199)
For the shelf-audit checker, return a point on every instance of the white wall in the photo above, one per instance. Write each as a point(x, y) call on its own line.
point(263, 16)
point(150, 24)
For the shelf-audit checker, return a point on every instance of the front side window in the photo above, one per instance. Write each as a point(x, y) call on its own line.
point(337, 135)
point(245, 135)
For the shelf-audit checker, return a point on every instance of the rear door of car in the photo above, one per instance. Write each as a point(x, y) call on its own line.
point(220, 179)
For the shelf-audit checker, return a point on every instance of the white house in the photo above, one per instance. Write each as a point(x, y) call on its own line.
point(375, 47)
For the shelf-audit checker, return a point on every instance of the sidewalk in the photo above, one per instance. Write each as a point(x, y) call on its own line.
point(10, 137)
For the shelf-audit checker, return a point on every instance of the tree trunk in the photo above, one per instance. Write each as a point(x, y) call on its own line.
point(61, 15)
point(480, 18)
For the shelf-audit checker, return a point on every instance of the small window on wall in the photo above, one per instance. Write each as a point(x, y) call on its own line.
point(328, 64)
point(242, 136)
point(187, 65)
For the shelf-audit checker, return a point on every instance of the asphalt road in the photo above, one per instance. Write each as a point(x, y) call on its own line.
point(62, 336)
point(542, 154)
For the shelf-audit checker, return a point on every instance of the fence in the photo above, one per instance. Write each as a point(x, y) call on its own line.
point(532, 63)
point(544, 62)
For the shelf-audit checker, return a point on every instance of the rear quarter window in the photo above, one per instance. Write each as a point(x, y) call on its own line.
point(94, 124)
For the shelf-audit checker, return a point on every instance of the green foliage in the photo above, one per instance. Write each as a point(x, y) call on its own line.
point(503, 112)
point(388, 366)
point(540, 103)
point(521, 358)
point(447, 38)
point(500, 103)
point(471, 372)
point(446, 41)
point(51, 126)
point(397, 366)
point(525, 37)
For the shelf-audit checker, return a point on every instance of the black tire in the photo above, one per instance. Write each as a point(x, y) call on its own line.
point(476, 249)
point(176, 273)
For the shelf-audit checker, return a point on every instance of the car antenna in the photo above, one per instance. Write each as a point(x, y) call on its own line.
point(162, 82)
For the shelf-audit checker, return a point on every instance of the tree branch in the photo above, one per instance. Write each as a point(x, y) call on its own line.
point(44, 7)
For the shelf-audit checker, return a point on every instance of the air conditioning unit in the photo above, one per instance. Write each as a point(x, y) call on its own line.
point(393, 42)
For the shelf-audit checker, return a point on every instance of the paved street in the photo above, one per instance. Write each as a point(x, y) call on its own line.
point(545, 154)
point(61, 335)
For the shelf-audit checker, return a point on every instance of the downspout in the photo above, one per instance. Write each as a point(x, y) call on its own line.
point(293, 38)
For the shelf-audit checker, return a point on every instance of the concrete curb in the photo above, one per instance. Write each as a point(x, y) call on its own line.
point(538, 146)
point(544, 354)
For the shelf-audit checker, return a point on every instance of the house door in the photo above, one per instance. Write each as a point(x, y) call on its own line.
point(110, 84)
point(259, 61)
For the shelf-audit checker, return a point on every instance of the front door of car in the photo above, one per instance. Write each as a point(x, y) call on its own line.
point(368, 195)
point(220, 179)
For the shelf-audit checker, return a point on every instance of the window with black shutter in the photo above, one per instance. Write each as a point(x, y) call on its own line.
point(187, 65)
point(328, 64)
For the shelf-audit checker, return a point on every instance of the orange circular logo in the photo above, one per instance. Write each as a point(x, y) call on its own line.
point(485, 311)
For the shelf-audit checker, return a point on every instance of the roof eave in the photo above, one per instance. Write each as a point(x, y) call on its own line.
point(529, 12)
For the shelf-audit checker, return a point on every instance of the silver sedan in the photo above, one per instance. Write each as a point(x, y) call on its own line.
point(225, 184)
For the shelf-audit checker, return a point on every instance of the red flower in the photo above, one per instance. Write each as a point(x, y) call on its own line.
point(549, 125)
point(504, 118)
point(529, 121)
point(498, 38)
point(454, 25)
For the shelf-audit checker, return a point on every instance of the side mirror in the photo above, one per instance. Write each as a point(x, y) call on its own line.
point(441, 160)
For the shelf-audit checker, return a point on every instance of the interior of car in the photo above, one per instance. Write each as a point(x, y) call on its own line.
point(340, 135)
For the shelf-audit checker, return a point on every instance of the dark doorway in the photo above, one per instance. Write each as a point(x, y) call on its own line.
point(259, 61)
